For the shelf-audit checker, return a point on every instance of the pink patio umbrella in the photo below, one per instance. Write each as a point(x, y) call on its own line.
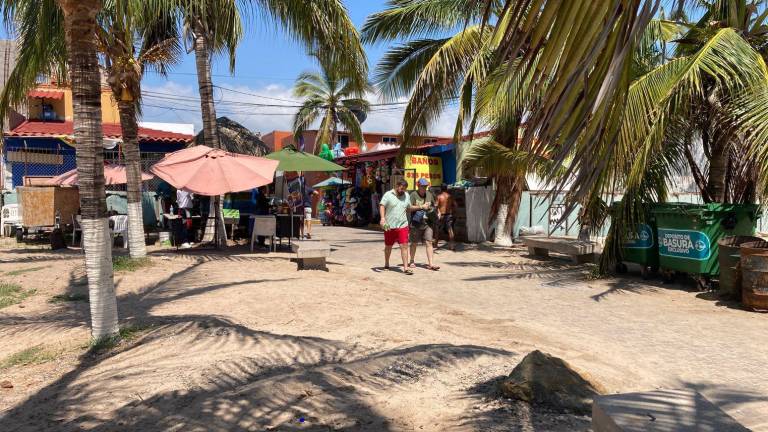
point(113, 175)
point(207, 171)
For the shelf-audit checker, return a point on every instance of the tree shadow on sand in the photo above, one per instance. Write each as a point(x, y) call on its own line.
point(256, 381)
point(497, 413)
point(206, 372)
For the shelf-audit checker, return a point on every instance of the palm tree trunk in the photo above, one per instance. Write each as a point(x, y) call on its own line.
point(136, 243)
point(80, 25)
point(214, 227)
point(334, 138)
point(506, 205)
point(718, 166)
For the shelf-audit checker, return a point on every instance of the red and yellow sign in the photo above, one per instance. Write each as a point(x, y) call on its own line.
point(428, 167)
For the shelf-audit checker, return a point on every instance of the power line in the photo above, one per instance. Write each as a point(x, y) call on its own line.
point(235, 76)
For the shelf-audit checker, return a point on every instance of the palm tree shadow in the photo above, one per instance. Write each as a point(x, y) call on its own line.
point(264, 381)
point(494, 412)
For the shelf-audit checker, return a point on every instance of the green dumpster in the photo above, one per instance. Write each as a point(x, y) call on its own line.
point(688, 234)
point(640, 245)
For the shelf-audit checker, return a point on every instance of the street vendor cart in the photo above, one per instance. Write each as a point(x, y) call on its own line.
point(44, 208)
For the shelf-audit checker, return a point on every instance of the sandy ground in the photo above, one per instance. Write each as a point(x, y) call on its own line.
point(239, 341)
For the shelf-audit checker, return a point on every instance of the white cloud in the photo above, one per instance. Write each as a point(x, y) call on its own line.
point(178, 103)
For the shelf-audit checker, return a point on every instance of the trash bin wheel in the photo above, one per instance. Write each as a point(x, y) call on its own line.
point(667, 276)
point(645, 272)
point(703, 283)
point(621, 268)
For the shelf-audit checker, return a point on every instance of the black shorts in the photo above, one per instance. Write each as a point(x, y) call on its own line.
point(446, 222)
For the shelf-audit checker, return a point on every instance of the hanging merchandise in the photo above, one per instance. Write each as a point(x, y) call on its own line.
point(337, 151)
point(370, 180)
point(351, 151)
point(325, 152)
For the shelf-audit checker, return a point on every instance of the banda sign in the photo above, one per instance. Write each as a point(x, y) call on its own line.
point(428, 167)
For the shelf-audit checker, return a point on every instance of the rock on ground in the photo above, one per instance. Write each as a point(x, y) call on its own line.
point(542, 379)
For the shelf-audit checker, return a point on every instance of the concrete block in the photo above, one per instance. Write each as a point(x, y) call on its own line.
point(312, 264)
point(660, 411)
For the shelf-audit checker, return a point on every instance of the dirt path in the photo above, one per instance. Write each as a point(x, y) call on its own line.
point(244, 342)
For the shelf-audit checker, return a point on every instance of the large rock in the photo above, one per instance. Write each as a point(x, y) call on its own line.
point(542, 379)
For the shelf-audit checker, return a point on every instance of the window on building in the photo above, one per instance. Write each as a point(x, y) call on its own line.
point(430, 140)
point(343, 140)
point(389, 140)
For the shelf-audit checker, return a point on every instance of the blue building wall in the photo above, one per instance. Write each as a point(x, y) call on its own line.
point(58, 147)
point(447, 153)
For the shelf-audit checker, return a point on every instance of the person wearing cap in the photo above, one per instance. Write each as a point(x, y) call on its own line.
point(422, 210)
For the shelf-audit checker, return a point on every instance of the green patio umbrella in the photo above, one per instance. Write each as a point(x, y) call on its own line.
point(293, 160)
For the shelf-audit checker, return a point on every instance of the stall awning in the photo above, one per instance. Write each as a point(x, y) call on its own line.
point(46, 94)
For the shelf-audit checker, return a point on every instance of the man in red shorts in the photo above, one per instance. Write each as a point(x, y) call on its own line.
point(393, 209)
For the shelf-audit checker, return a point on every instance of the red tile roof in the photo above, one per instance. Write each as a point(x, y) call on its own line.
point(46, 94)
point(34, 128)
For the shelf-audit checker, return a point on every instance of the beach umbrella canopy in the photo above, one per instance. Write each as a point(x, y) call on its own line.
point(113, 175)
point(207, 171)
point(293, 160)
point(331, 182)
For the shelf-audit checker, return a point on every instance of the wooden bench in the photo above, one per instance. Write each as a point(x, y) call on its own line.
point(311, 255)
point(579, 251)
point(662, 411)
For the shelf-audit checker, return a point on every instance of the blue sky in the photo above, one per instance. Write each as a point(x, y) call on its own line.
point(267, 65)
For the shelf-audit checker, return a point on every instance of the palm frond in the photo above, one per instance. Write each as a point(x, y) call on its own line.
point(418, 18)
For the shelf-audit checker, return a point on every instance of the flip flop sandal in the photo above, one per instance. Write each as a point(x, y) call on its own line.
point(408, 272)
point(433, 268)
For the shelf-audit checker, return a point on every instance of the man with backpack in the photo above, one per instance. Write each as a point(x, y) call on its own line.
point(422, 221)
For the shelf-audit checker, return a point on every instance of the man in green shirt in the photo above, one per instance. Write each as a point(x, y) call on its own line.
point(393, 209)
point(423, 214)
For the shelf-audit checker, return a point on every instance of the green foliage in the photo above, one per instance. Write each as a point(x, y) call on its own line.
point(11, 294)
point(22, 271)
point(331, 97)
point(128, 264)
point(34, 355)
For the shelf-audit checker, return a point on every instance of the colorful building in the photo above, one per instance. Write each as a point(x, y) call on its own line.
point(277, 140)
point(41, 145)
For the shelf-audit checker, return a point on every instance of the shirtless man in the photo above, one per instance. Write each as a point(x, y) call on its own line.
point(445, 207)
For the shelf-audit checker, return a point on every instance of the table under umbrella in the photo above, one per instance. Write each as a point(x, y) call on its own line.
point(294, 160)
point(113, 175)
point(213, 172)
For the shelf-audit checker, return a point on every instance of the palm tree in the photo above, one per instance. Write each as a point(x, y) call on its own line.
point(214, 26)
point(77, 18)
point(434, 72)
point(334, 99)
point(130, 36)
point(698, 110)
point(133, 37)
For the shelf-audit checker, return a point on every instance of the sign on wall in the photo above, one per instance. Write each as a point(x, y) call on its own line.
point(428, 167)
point(641, 239)
point(688, 244)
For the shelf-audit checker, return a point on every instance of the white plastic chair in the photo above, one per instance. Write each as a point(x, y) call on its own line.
point(264, 226)
point(77, 227)
point(10, 216)
point(120, 228)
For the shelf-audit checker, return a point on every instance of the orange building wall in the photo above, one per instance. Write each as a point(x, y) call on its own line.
point(277, 140)
point(64, 109)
